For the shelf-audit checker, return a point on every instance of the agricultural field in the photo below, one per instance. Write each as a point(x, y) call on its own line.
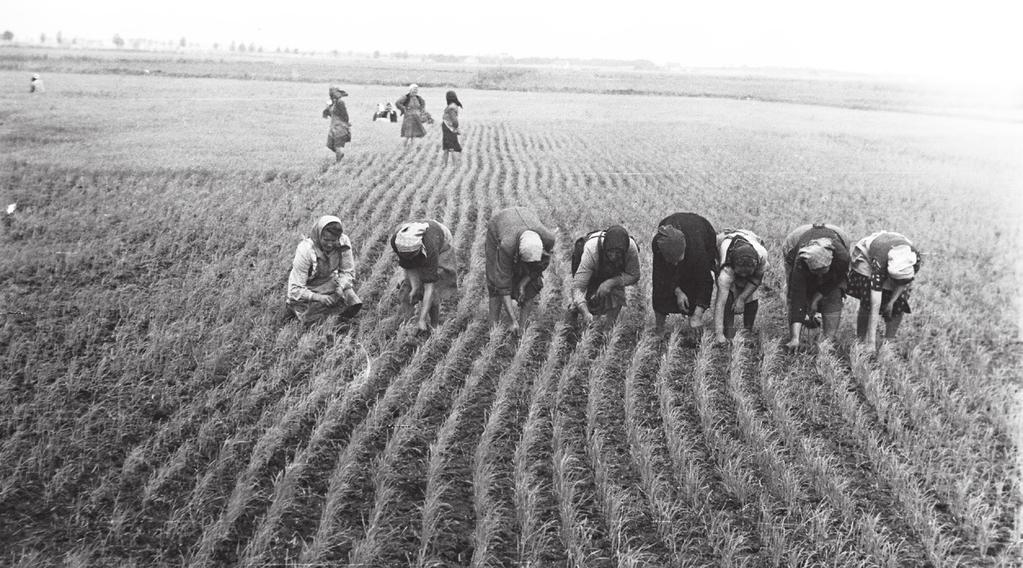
point(156, 410)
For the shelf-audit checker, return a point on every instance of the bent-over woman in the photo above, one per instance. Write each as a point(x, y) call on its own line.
point(683, 268)
point(425, 251)
point(742, 261)
point(884, 266)
point(817, 271)
point(518, 249)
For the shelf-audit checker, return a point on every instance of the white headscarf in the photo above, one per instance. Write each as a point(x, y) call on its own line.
point(409, 237)
point(530, 246)
point(901, 260)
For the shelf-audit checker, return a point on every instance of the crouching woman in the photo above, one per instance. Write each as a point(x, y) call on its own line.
point(322, 278)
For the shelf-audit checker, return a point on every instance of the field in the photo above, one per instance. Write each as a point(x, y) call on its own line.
point(156, 411)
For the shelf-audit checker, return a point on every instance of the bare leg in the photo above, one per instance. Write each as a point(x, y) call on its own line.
point(435, 314)
point(338, 154)
point(830, 324)
point(446, 154)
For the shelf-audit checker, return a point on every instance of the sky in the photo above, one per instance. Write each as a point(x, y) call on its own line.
point(971, 40)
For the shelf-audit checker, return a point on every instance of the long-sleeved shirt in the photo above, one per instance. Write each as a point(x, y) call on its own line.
point(802, 282)
point(314, 271)
point(502, 246)
point(695, 274)
point(591, 273)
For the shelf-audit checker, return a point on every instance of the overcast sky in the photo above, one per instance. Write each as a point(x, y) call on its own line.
point(967, 40)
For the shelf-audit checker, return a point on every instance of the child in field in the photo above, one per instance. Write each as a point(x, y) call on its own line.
point(518, 250)
point(322, 278)
point(683, 268)
point(340, 128)
point(817, 270)
point(741, 263)
point(425, 251)
point(449, 126)
point(884, 266)
point(603, 264)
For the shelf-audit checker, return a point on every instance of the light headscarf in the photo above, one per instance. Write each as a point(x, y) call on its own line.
point(817, 253)
point(901, 260)
point(413, 89)
point(317, 233)
point(530, 247)
point(409, 238)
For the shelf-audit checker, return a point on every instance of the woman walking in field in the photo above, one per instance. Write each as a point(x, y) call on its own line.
point(884, 266)
point(425, 251)
point(322, 278)
point(340, 129)
point(449, 126)
point(414, 115)
point(518, 250)
point(683, 268)
point(742, 261)
point(817, 271)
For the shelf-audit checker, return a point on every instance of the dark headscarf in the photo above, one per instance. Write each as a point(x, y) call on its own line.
point(452, 98)
point(616, 238)
point(671, 242)
point(742, 257)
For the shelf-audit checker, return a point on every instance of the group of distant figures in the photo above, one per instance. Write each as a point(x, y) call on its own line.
point(412, 109)
point(691, 261)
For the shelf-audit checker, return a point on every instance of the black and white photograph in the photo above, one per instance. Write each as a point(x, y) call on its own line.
point(525, 285)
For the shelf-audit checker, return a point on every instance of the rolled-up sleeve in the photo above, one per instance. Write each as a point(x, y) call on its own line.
point(346, 271)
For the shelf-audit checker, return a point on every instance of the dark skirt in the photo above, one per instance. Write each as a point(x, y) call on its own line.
point(859, 287)
point(339, 135)
point(449, 140)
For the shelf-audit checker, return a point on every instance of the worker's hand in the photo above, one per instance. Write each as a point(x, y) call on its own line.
point(738, 306)
point(325, 299)
point(682, 300)
point(720, 339)
point(606, 287)
point(586, 316)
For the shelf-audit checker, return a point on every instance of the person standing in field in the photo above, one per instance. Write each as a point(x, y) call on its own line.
point(741, 263)
point(322, 278)
point(449, 126)
point(35, 84)
point(414, 115)
point(884, 266)
point(518, 250)
point(340, 128)
point(603, 264)
point(816, 271)
point(425, 251)
point(683, 268)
